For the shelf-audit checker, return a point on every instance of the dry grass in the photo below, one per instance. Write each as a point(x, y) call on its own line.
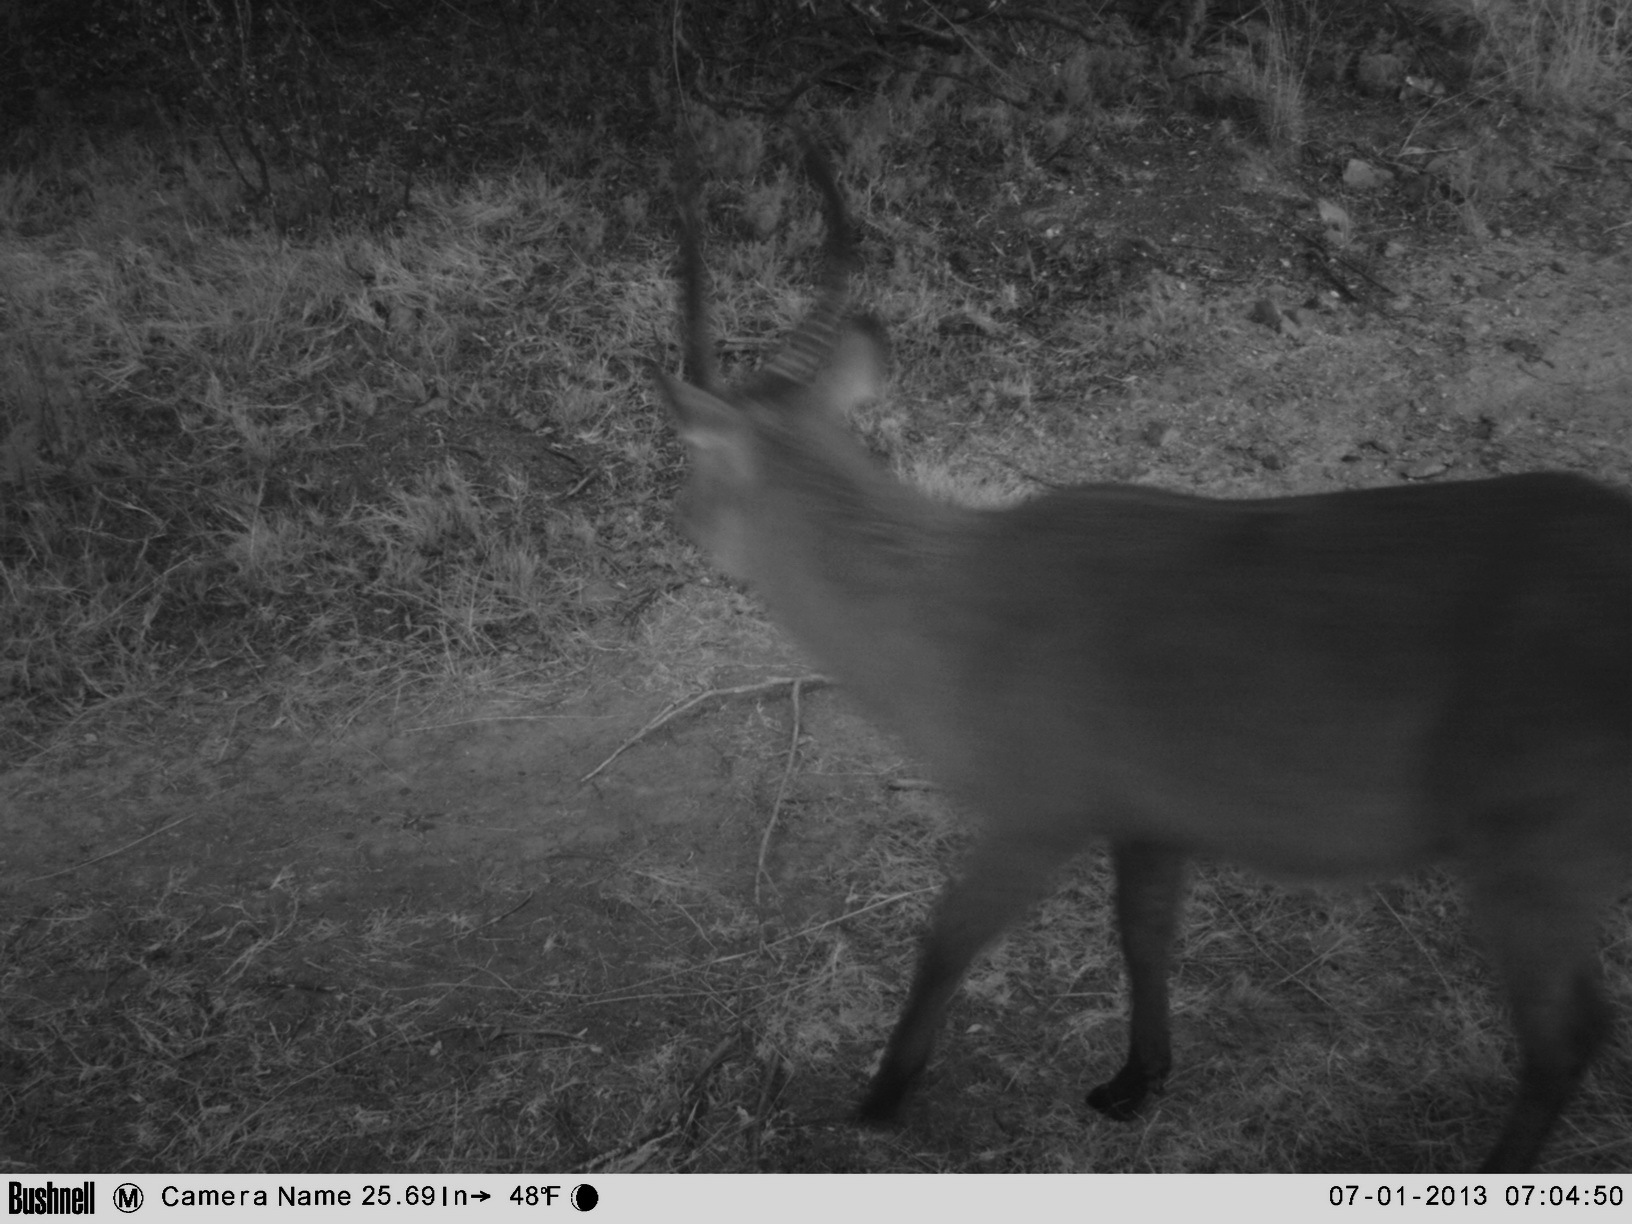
point(221, 449)
point(1559, 54)
point(204, 1036)
point(225, 449)
point(217, 1030)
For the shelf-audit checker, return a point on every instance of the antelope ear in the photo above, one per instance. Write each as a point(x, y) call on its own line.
point(694, 408)
point(712, 429)
point(854, 371)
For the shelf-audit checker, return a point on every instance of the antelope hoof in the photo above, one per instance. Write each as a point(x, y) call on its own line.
point(1120, 1098)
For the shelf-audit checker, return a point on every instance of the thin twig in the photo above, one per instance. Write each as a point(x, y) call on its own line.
point(802, 933)
point(577, 488)
point(685, 707)
point(581, 1037)
point(910, 784)
point(500, 918)
point(631, 1157)
point(53, 875)
point(695, 1101)
point(1352, 266)
point(772, 1076)
point(1428, 957)
point(1097, 38)
point(781, 790)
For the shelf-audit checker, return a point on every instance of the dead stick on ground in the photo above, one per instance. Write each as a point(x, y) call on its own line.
point(781, 790)
point(685, 707)
point(802, 933)
point(128, 845)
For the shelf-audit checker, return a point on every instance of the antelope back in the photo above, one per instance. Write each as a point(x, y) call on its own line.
point(1341, 685)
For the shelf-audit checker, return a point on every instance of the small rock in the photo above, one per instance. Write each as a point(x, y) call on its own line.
point(1268, 313)
point(1419, 188)
point(1337, 223)
point(1380, 74)
point(1363, 176)
point(1426, 469)
point(1524, 348)
point(1421, 88)
point(1455, 170)
point(1158, 434)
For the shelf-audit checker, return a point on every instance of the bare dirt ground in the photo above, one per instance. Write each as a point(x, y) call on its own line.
point(457, 855)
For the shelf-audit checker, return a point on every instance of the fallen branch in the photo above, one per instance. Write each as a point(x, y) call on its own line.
point(111, 853)
point(685, 707)
point(781, 790)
